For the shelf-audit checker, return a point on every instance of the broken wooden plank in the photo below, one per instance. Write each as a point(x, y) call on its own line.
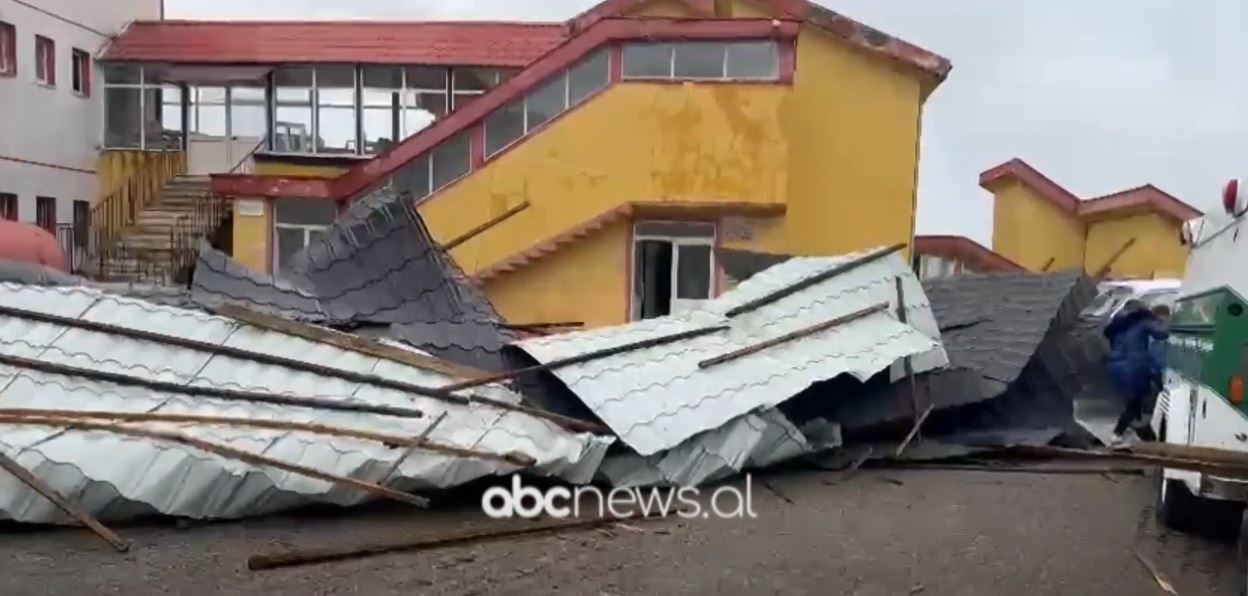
point(316, 403)
point(813, 280)
point(423, 438)
point(478, 230)
point(582, 358)
point(1162, 581)
point(11, 466)
point(1109, 264)
point(325, 555)
point(218, 449)
point(788, 337)
point(1174, 456)
point(345, 341)
point(914, 431)
point(1048, 264)
point(314, 428)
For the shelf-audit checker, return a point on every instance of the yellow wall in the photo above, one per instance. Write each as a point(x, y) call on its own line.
point(586, 282)
point(1030, 230)
point(113, 167)
point(251, 232)
point(277, 168)
point(1155, 253)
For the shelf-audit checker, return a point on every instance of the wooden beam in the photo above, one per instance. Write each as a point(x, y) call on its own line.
point(914, 430)
point(218, 449)
point(814, 280)
point(345, 341)
point(473, 233)
point(1109, 265)
point(319, 429)
point(788, 337)
point(423, 438)
point(586, 357)
point(1048, 264)
point(11, 466)
point(907, 364)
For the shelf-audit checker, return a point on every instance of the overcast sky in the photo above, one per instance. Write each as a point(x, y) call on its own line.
point(1100, 96)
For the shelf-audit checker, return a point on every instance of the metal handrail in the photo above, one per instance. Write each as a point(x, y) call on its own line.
point(117, 211)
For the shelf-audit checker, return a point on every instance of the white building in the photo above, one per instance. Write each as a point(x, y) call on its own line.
point(52, 102)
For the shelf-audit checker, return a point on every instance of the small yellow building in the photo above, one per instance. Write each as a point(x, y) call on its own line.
point(581, 171)
point(1132, 234)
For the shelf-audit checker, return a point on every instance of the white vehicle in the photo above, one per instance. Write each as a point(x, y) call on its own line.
point(1202, 404)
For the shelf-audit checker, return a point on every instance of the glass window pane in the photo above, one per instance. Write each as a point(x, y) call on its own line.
point(121, 127)
point(171, 116)
point(546, 102)
point(335, 92)
point(381, 95)
point(380, 127)
point(295, 78)
point(693, 272)
point(450, 160)
point(648, 60)
point(158, 135)
point(382, 77)
point(289, 243)
point(207, 107)
point(426, 77)
point(753, 60)
point(122, 73)
point(503, 127)
point(588, 76)
point(304, 211)
point(413, 178)
point(292, 127)
point(700, 60)
point(475, 79)
point(248, 116)
point(423, 108)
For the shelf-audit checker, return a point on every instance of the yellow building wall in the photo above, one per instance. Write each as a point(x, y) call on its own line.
point(251, 232)
point(1156, 252)
point(116, 166)
point(1030, 230)
point(586, 282)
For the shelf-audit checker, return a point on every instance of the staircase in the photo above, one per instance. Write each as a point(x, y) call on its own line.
point(147, 250)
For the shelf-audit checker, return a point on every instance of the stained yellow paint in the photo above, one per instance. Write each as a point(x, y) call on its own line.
point(251, 232)
point(1156, 252)
point(251, 237)
point(115, 167)
point(1032, 231)
point(549, 293)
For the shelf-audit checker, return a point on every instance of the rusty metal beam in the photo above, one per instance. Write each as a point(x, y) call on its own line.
point(814, 280)
point(800, 333)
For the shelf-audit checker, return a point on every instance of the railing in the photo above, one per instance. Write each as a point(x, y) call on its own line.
point(204, 220)
point(113, 214)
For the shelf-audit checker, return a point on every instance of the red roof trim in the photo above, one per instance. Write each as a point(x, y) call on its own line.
point(961, 248)
point(1147, 197)
point(1017, 169)
point(607, 31)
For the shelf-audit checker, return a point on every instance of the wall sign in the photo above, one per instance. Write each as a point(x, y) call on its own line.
point(249, 207)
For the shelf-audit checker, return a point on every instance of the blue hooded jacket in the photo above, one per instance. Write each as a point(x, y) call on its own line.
point(1131, 337)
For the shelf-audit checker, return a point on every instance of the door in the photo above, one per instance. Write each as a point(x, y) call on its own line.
point(673, 267)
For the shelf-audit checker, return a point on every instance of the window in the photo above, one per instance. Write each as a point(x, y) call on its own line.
point(673, 267)
point(249, 117)
point(450, 160)
point(82, 222)
point(381, 96)
point(335, 109)
point(8, 206)
point(705, 60)
point(8, 50)
point(468, 83)
point(140, 111)
point(424, 97)
point(297, 224)
point(292, 90)
point(45, 213)
point(81, 63)
point(510, 122)
point(45, 61)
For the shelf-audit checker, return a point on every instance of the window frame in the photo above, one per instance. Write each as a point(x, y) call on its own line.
point(143, 86)
point(307, 230)
point(9, 206)
point(526, 128)
point(8, 49)
point(40, 203)
point(725, 49)
point(45, 61)
point(676, 240)
point(80, 72)
point(81, 226)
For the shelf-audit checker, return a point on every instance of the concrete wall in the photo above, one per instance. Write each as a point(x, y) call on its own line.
point(54, 127)
point(1156, 252)
point(1031, 231)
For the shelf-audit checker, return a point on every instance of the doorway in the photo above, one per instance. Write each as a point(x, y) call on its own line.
point(673, 267)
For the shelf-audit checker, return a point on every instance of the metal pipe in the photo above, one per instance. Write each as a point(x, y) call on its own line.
point(813, 280)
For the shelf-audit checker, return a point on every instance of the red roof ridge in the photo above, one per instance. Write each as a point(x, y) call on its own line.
point(966, 249)
point(1022, 171)
point(346, 22)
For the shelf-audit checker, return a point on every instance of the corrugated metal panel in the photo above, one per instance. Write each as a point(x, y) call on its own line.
point(656, 398)
point(119, 477)
point(257, 42)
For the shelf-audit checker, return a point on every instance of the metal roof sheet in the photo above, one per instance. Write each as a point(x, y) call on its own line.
point(370, 42)
point(119, 477)
point(657, 397)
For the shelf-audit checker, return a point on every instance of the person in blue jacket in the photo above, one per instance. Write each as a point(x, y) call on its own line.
point(1157, 359)
point(1131, 363)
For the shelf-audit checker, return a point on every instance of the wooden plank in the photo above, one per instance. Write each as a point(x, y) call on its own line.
point(320, 429)
point(326, 555)
point(586, 357)
point(907, 363)
point(788, 337)
point(914, 431)
point(345, 341)
point(423, 438)
point(478, 230)
point(11, 466)
point(814, 280)
point(221, 450)
point(1109, 265)
point(315, 403)
point(1048, 264)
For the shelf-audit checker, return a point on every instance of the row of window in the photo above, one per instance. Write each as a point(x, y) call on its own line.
point(45, 61)
point(338, 109)
point(45, 211)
